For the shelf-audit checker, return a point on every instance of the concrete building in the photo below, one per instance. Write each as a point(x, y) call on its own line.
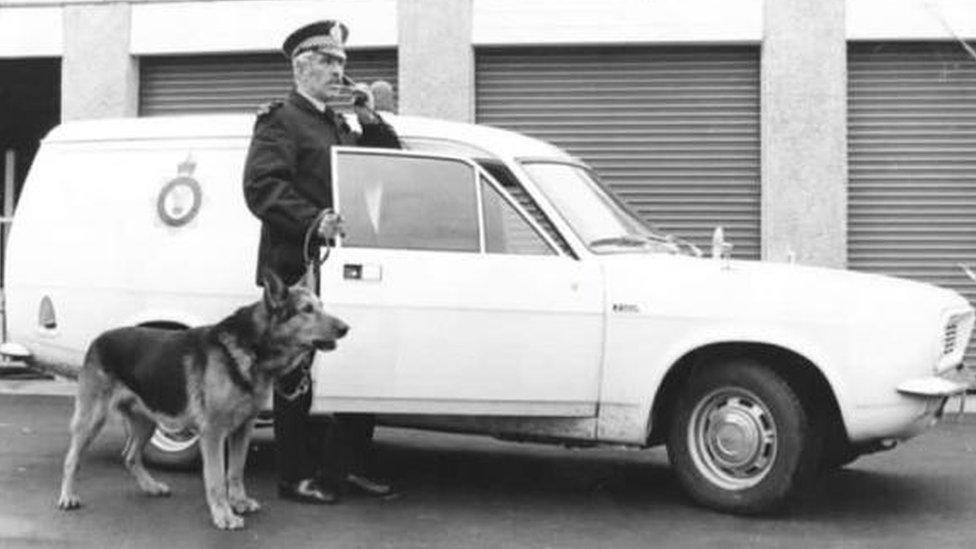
point(835, 132)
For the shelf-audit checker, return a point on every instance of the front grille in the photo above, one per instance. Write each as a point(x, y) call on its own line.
point(955, 338)
point(951, 336)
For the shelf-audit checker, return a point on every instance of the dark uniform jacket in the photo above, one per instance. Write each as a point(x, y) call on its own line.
point(288, 174)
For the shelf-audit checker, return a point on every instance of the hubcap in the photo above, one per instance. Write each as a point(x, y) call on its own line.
point(173, 440)
point(732, 438)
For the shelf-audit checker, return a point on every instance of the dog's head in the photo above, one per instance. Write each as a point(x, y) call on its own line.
point(296, 319)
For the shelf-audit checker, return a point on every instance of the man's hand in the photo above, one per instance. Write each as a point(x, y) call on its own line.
point(330, 226)
point(363, 95)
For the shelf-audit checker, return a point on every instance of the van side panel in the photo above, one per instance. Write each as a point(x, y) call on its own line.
point(103, 270)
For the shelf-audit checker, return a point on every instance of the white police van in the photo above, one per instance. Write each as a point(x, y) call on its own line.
point(493, 286)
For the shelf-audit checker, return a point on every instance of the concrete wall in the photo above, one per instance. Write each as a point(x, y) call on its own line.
point(99, 78)
point(164, 28)
point(28, 33)
point(436, 58)
point(804, 132)
point(556, 22)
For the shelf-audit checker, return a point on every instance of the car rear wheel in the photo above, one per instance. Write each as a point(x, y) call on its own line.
point(173, 449)
point(740, 440)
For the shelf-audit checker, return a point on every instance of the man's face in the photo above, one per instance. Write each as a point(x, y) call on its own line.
point(323, 76)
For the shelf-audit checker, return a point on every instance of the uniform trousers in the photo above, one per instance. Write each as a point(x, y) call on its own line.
point(327, 448)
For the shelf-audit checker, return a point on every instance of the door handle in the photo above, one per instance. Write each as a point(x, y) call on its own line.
point(361, 271)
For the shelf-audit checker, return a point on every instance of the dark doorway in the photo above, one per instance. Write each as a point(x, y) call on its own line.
point(30, 105)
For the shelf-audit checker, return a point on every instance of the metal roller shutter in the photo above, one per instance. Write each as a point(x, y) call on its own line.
point(235, 83)
point(674, 131)
point(912, 162)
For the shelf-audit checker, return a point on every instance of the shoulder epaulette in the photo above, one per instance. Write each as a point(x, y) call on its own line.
point(269, 107)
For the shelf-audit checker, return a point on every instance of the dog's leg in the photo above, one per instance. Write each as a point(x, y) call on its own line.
point(140, 429)
point(212, 440)
point(88, 419)
point(237, 446)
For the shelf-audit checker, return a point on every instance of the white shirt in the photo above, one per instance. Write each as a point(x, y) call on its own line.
point(320, 105)
point(351, 119)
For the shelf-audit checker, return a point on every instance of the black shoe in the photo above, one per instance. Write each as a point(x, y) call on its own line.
point(307, 491)
point(363, 485)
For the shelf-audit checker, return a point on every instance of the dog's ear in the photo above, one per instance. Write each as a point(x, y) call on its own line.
point(275, 291)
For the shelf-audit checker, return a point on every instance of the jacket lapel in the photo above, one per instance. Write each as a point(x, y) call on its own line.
point(336, 125)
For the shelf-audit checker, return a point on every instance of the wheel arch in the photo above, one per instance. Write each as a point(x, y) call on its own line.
point(801, 373)
point(164, 325)
point(173, 319)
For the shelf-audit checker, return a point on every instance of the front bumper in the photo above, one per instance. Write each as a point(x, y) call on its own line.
point(951, 384)
point(918, 404)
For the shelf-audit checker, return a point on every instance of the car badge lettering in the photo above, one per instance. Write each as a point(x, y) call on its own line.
point(625, 308)
point(179, 200)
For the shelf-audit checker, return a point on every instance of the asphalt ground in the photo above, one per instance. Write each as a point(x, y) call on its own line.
point(464, 491)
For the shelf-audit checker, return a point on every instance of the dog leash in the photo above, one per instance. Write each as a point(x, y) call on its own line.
point(303, 386)
point(311, 262)
point(311, 270)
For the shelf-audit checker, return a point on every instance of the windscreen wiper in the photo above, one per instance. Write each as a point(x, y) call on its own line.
point(625, 240)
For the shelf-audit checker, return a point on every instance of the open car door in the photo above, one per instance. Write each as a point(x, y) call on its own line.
point(458, 303)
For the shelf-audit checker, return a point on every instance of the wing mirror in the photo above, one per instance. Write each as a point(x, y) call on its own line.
point(969, 272)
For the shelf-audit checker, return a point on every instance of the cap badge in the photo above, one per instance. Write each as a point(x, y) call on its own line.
point(336, 33)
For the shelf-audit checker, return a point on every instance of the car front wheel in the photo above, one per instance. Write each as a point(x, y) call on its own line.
point(740, 440)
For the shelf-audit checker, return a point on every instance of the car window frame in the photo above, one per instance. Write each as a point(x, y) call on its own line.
point(548, 226)
point(576, 248)
point(528, 219)
point(478, 173)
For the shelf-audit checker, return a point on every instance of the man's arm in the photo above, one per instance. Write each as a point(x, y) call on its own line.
point(376, 132)
point(269, 173)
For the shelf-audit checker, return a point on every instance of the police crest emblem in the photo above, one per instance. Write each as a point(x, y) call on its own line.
point(179, 199)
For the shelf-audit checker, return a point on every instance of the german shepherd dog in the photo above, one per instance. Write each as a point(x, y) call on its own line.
point(214, 379)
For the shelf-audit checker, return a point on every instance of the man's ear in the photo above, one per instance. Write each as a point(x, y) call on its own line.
point(275, 291)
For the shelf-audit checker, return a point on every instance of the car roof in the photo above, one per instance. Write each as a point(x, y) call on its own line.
point(493, 141)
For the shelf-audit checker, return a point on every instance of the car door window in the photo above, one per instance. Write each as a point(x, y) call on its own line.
point(513, 187)
point(407, 202)
point(506, 231)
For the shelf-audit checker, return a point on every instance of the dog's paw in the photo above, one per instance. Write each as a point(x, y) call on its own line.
point(157, 489)
point(227, 520)
point(68, 502)
point(245, 505)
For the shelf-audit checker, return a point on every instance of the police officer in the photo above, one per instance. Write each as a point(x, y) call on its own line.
point(287, 185)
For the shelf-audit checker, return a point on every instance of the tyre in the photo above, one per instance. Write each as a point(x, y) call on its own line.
point(740, 440)
point(179, 450)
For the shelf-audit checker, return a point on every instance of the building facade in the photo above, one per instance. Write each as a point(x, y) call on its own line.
point(829, 132)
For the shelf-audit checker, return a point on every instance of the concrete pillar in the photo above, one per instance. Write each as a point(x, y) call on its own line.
point(99, 79)
point(804, 132)
point(436, 60)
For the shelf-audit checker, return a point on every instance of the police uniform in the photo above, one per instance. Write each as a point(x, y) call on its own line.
point(287, 184)
point(288, 177)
